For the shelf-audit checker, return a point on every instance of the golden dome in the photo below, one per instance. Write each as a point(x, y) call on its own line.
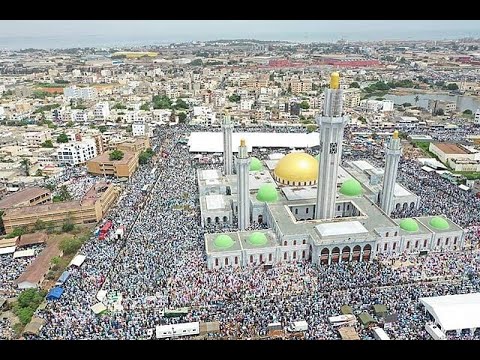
point(297, 168)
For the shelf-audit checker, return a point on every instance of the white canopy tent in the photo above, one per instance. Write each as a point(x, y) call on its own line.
point(98, 308)
point(78, 260)
point(7, 250)
point(24, 253)
point(454, 312)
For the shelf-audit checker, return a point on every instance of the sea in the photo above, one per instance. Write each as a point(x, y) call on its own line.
point(102, 41)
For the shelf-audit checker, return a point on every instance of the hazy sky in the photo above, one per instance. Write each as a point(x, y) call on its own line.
point(185, 30)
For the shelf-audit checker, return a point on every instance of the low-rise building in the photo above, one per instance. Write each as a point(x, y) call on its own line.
point(27, 197)
point(78, 152)
point(134, 145)
point(90, 209)
point(102, 165)
point(446, 151)
point(35, 138)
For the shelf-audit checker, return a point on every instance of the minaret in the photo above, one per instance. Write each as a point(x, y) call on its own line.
point(243, 186)
point(227, 128)
point(390, 176)
point(331, 124)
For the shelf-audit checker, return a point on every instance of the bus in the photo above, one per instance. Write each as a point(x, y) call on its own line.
point(380, 334)
point(435, 332)
point(175, 330)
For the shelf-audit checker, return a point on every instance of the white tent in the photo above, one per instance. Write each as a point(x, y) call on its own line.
point(454, 312)
point(24, 253)
point(78, 260)
point(427, 169)
point(7, 250)
point(463, 187)
point(98, 308)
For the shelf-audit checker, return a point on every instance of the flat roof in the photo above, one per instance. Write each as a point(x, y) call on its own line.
point(454, 312)
point(449, 148)
point(22, 196)
point(104, 158)
point(341, 228)
point(300, 192)
point(362, 165)
point(34, 238)
point(215, 202)
point(400, 191)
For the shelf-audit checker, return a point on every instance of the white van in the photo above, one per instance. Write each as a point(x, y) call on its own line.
point(435, 332)
point(298, 326)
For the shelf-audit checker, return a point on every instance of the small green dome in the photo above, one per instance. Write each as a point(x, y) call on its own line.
point(317, 157)
point(257, 239)
point(439, 223)
point(351, 187)
point(267, 193)
point(223, 241)
point(409, 225)
point(255, 164)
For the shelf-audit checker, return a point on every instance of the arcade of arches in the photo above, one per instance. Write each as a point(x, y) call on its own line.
point(346, 254)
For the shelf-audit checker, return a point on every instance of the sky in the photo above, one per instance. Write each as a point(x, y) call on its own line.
point(94, 32)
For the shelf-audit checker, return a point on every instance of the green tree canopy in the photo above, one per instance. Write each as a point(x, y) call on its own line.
point(102, 128)
point(355, 85)
point(468, 112)
point(452, 87)
point(234, 98)
point(161, 102)
point(116, 155)
point(304, 105)
point(47, 144)
point(62, 138)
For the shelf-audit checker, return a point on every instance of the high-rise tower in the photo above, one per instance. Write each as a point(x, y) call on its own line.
point(331, 124)
point(227, 128)
point(393, 153)
point(243, 197)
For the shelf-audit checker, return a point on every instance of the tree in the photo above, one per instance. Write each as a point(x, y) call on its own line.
point(234, 98)
point(16, 232)
point(26, 166)
point(64, 194)
point(197, 62)
point(67, 226)
point(47, 144)
point(452, 87)
point(70, 246)
point(355, 85)
point(62, 138)
point(145, 107)
point(180, 104)
point(304, 105)
point(102, 128)
point(439, 112)
point(39, 172)
point(467, 112)
point(116, 155)
point(311, 128)
point(119, 106)
point(161, 102)
point(70, 124)
point(181, 117)
point(39, 225)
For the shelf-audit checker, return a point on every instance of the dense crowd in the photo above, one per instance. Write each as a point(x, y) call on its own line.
point(161, 264)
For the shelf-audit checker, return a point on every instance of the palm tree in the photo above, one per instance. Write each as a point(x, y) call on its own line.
point(26, 165)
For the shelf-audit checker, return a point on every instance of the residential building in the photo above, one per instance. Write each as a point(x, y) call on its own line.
point(140, 129)
point(84, 93)
point(446, 151)
point(102, 165)
point(78, 152)
point(102, 111)
point(35, 138)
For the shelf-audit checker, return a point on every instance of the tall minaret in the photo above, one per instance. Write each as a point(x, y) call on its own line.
point(394, 151)
point(331, 124)
point(227, 128)
point(243, 186)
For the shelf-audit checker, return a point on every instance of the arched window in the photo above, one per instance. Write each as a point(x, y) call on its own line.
point(386, 235)
point(294, 242)
point(425, 243)
point(285, 243)
point(394, 246)
point(446, 241)
point(304, 241)
point(284, 256)
point(455, 240)
point(385, 247)
point(294, 254)
point(416, 244)
point(251, 259)
point(306, 210)
point(438, 242)
point(269, 257)
point(236, 260)
point(408, 244)
point(303, 254)
point(226, 261)
point(216, 262)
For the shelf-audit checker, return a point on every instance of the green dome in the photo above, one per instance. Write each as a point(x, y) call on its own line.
point(257, 239)
point(409, 225)
point(439, 223)
point(317, 157)
point(255, 164)
point(267, 193)
point(223, 241)
point(351, 187)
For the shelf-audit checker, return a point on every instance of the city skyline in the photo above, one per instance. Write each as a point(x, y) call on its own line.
point(16, 34)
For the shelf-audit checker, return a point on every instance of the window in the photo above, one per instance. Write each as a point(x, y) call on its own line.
point(416, 244)
point(348, 206)
point(408, 244)
point(338, 208)
point(396, 233)
point(385, 247)
point(455, 240)
point(425, 243)
point(284, 256)
point(261, 257)
point(251, 259)
point(294, 242)
point(306, 211)
point(269, 257)
point(216, 262)
point(296, 211)
point(226, 261)
point(394, 245)
point(285, 243)
point(304, 241)
point(386, 235)
point(236, 260)
point(294, 254)
point(377, 247)
point(446, 241)
point(438, 242)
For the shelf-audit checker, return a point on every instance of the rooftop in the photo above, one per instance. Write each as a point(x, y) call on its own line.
point(104, 158)
point(22, 196)
point(449, 148)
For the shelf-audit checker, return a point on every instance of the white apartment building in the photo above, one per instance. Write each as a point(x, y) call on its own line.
point(101, 111)
point(477, 117)
point(35, 138)
point(140, 129)
point(246, 104)
point(75, 153)
point(351, 98)
point(161, 115)
point(376, 105)
point(85, 93)
point(2, 113)
point(79, 116)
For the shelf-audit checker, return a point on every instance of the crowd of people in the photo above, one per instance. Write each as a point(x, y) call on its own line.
point(161, 264)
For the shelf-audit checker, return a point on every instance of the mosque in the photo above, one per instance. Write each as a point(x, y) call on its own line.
point(314, 209)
